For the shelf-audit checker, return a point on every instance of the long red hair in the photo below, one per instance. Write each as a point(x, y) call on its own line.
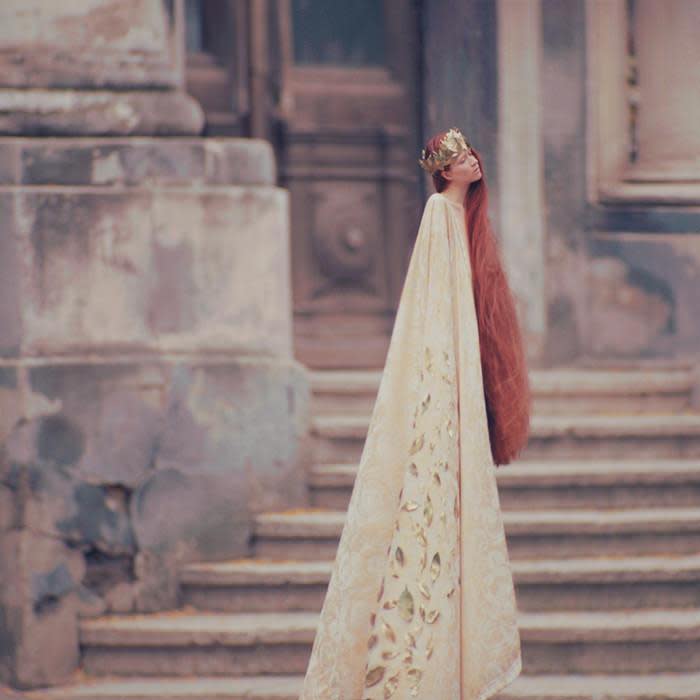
point(503, 361)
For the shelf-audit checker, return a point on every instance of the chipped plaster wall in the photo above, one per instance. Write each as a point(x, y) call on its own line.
point(150, 404)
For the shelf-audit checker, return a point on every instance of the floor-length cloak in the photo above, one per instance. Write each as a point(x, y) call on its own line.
point(421, 602)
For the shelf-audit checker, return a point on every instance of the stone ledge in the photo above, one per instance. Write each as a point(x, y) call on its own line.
point(610, 626)
point(319, 523)
point(666, 686)
point(536, 474)
point(608, 570)
point(559, 382)
point(98, 112)
point(548, 571)
point(168, 688)
point(542, 426)
point(136, 162)
point(185, 628)
point(669, 686)
point(256, 572)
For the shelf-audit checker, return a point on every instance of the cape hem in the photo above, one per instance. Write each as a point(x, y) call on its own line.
point(501, 682)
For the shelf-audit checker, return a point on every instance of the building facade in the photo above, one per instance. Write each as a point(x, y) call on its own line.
point(584, 111)
point(201, 199)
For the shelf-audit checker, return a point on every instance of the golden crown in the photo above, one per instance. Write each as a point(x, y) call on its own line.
point(452, 145)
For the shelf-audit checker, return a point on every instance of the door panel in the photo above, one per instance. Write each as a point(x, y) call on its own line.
point(347, 143)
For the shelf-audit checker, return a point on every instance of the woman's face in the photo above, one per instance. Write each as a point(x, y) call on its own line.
point(464, 170)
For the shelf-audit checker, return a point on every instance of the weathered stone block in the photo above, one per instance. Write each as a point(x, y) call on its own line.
point(202, 444)
point(86, 43)
point(10, 278)
point(95, 113)
point(627, 317)
point(7, 509)
point(177, 270)
point(220, 271)
point(173, 510)
point(38, 628)
point(9, 162)
point(110, 420)
point(36, 468)
point(90, 257)
point(240, 161)
point(10, 408)
point(106, 162)
point(244, 421)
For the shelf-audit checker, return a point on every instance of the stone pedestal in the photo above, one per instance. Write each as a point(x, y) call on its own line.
point(150, 404)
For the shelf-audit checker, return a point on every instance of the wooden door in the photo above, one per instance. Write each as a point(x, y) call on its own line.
point(335, 87)
point(346, 135)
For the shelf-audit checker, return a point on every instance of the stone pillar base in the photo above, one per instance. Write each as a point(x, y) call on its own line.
point(99, 112)
point(150, 404)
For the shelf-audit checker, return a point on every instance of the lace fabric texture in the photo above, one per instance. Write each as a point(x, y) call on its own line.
point(421, 601)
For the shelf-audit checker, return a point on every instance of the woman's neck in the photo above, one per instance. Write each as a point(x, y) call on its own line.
point(455, 194)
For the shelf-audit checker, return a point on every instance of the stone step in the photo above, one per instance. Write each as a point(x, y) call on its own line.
point(340, 438)
point(628, 641)
point(187, 643)
point(185, 163)
point(255, 585)
point(618, 483)
point(168, 688)
point(568, 390)
point(663, 686)
point(249, 585)
point(312, 534)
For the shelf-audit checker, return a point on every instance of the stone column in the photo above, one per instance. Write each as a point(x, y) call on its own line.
point(150, 404)
point(93, 67)
point(521, 166)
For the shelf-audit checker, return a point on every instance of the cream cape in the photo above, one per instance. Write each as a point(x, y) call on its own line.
point(424, 512)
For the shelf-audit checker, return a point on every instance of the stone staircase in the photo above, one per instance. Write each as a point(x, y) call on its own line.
point(602, 516)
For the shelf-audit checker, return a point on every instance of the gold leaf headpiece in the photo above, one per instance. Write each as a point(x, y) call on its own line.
point(452, 145)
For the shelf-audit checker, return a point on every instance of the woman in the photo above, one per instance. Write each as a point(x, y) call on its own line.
point(421, 602)
point(504, 367)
